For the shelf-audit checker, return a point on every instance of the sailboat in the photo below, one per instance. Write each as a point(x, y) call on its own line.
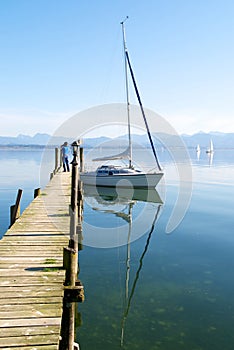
point(198, 151)
point(125, 176)
point(210, 150)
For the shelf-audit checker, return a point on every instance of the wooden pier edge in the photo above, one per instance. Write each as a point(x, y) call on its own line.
point(31, 270)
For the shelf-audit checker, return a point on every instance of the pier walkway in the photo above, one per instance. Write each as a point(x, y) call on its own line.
point(31, 274)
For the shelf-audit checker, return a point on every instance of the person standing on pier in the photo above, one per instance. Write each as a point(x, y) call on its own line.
point(65, 156)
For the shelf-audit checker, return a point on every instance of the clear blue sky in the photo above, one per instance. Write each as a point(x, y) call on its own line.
point(60, 57)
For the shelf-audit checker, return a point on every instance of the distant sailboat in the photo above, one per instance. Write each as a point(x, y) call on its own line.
point(198, 151)
point(210, 150)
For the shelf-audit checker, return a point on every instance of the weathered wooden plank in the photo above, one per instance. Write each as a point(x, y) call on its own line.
point(35, 310)
point(30, 280)
point(27, 246)
point(29, 308)
point(31, 300)
point(21, 272)
point(42, 252)
point(30, 347)
point(49, 339)
point(32, 287)
point(29, 254)
point(40, 230)
point(25, 288)
point(28, 293)
point(38, 233)
point(42, 289)
point(29, 260)
point(32, 267)
point(21, 331)
point(35, 241)
point(33, 245)
point(30, 322)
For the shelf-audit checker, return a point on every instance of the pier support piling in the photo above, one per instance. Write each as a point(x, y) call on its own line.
point(15, 209)
point(81, 159)
point(57, 159)
point(37, 192)
point(73, 289)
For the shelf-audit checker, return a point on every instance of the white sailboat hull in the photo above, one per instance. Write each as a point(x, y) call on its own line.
point(136, 180)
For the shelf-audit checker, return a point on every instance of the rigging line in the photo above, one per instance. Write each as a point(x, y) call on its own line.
point(142, 109)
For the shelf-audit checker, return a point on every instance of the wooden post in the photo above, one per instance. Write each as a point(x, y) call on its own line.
point(57, 159)
point(68, 326)
point(81, 159)
point(80, 215)
point(74, 186)
point(80, 236)
point(60, 158)
point(73, 244)
point(70, 258)
point(80, 200)
point(73, 290)
point(71, 329)
point(12, 215)
point(15, 209)
point(71, 254)
point(37, 192)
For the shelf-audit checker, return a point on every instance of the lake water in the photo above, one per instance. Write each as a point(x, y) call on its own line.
point(19, 169)
point(160, 291)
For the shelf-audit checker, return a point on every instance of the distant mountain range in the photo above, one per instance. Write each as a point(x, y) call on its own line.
point(220, 140)
point(38, 139)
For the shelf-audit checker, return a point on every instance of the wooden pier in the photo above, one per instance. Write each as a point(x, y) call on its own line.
point(31, 270)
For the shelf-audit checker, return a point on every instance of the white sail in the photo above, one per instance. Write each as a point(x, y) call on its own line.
point(211, 147)
point(122, 155)
point(198, 149)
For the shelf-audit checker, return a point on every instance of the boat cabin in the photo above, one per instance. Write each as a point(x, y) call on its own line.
point(105, 170)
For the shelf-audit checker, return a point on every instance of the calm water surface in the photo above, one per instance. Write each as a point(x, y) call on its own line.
point(19, 169)
point(172, 291)
point(161, 291)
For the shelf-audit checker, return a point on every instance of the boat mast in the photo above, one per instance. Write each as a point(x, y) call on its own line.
point(127, 93)
point(128, 65)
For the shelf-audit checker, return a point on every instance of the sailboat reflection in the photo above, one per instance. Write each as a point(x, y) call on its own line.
point(210, 158)
point(111, 195)
point(128, 297)
point(108, 199)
